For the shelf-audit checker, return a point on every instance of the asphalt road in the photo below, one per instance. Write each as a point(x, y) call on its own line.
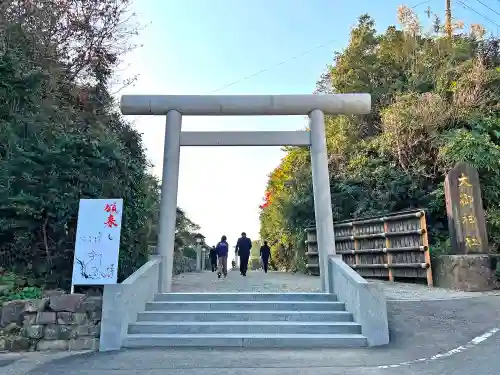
point(420, 330)
point(6, 362)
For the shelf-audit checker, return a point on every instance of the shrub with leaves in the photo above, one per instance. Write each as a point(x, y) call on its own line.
point(435, 102)
point(62, 139)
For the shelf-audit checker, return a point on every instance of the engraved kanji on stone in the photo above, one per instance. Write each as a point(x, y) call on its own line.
point(464, 208)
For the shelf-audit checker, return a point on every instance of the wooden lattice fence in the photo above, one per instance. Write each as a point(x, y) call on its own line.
point(393, 246)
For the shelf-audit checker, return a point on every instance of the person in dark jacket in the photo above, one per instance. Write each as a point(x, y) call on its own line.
point(243, 247)
point(222, 251)
point(213, 258)
point(265, 255)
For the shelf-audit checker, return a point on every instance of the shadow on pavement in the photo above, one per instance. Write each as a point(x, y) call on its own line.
point(418, 329)
point(6, 362)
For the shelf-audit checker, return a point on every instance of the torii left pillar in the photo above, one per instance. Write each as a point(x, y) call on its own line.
point(169, 190)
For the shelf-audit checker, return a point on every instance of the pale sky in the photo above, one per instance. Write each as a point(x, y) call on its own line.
point(199, 46)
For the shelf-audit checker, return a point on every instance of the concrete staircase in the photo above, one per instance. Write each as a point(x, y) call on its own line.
point(280, 320)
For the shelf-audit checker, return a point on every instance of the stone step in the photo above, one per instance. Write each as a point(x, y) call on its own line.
point(246, 340)
point(278, 297)
point(246, 327)
point(254, 316)
point(245, 305)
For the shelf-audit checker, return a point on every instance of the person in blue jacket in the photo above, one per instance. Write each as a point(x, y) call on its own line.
point(222, 252)
point(243, 247)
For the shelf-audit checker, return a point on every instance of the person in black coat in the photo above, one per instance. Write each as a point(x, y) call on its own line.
point(265, 255)
point(243, 247)
point(213, 258)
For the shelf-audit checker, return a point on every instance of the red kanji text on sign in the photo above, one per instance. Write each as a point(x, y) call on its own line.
point(111, 208)
point(111, 222)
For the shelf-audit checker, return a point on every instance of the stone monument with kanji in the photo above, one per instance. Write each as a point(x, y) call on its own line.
point(467, 266)
point(464, 207)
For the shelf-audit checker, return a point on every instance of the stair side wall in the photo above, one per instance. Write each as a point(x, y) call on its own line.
point(122, 302)
point(366, 301)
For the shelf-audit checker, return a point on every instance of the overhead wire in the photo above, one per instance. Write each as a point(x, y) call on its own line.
point(422, 3)
point(324, 45)
point(306, 52)
point(487, 6)
point(275, 65)
point(303, 53)
point(465, 6)
point(469, 8)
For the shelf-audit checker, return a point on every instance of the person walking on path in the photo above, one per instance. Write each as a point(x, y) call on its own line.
point(265, 255)
point(243, 247)
point(222, 251)
point(213, 258)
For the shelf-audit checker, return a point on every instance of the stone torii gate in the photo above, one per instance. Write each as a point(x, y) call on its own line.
point(315, 106)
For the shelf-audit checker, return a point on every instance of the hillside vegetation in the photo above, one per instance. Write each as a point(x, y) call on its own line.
point(62, 138)
point(435, 102)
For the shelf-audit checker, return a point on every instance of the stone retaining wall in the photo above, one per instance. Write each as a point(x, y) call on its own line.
point(58, 321)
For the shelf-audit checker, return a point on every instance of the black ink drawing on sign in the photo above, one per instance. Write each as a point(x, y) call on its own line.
point(91, 268)
point(83, 269)
point(94, 263)
point(109, 272)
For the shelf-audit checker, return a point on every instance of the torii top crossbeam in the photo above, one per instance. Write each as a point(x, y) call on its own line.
point(245, 105)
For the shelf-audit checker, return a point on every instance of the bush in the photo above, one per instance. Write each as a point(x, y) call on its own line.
point(30, 292)
point(434, 104)
point(13, 287)
point(62, 139)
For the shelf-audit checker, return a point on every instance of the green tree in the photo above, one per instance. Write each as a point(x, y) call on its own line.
point(62, 139)
point(435, 102)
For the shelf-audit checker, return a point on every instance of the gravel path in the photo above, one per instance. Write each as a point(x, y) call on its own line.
point(255, 281)
point(417, 292)
point(258, 281)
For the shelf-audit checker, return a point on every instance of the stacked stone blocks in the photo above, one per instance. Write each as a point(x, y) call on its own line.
point(57, 321)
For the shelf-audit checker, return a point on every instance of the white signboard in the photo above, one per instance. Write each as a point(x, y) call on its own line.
point(97, 242)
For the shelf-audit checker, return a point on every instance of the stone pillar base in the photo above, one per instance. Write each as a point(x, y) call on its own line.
point(470, 273)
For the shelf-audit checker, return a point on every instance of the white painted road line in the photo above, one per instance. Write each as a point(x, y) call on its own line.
point(475, 341)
